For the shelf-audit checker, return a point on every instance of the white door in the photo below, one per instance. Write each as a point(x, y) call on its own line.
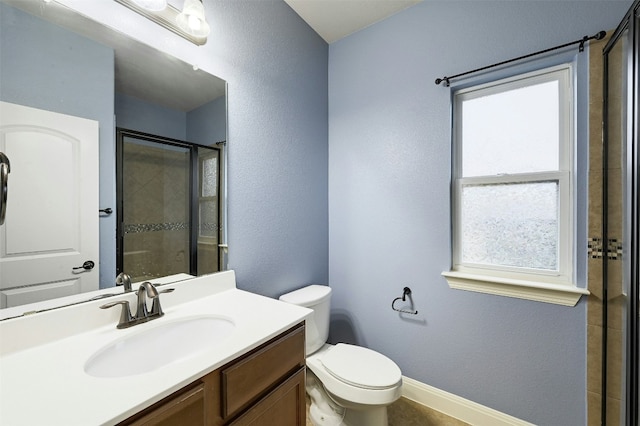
point(51, 224)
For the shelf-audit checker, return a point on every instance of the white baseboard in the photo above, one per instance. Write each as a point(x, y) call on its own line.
point(455, 406)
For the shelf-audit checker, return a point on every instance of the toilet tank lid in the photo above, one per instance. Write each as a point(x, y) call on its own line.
point(308, 295)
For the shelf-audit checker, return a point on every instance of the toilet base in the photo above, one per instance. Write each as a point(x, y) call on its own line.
point(373, 416)
point(376, 416)
point(324, 411)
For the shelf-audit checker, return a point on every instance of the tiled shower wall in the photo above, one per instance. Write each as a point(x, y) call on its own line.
point(599, 248)
point(156, 221)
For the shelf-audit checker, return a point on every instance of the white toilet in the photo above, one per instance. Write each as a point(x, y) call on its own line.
point(348, 385)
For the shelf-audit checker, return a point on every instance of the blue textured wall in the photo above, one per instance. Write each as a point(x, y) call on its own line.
point(389, 170)
point(277, 97)
point(135, 114)
point(204, 125)
point(207, 124)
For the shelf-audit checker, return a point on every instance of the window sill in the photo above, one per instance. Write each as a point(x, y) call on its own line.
point(521, 289)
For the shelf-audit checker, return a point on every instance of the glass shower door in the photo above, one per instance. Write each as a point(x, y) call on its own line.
point(169, 207)
point(155, 209)
point(620, 214)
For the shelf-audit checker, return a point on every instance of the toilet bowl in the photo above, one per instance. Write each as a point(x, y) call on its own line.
point(348, 385)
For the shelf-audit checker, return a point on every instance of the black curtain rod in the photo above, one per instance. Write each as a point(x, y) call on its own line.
point(582, 41)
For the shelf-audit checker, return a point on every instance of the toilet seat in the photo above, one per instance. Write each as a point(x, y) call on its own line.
point(350, 395)
point(361, 367)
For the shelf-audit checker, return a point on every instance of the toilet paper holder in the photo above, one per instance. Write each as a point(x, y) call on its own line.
point(405, 292)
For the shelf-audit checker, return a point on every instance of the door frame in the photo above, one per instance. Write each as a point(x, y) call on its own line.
point(631, 21)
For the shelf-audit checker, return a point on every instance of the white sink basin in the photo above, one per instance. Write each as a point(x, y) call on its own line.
point(158, 346)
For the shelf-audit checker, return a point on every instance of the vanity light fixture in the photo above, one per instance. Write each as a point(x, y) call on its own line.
point(152, 5)
point(192, 19)
point(189, 24)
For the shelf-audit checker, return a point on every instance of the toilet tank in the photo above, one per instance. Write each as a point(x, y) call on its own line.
point(317, 298)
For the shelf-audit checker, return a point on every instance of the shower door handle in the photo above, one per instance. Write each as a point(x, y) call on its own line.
point(86, 266)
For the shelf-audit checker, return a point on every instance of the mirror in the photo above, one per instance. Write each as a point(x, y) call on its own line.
point(53, 59)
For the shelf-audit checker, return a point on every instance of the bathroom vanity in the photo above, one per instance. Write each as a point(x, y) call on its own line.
point(219, 356)
point(263, 387)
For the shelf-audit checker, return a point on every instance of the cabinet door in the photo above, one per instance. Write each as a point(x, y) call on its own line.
point(284, 406)
point(186, 408)
point(247, 380)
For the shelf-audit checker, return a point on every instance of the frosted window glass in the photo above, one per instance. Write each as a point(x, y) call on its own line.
point(208, 218)
point(513, 225)
point(516, 131)
point(209, 177)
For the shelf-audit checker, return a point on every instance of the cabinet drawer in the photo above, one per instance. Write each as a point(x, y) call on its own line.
point(185, 407)
point(262, 370)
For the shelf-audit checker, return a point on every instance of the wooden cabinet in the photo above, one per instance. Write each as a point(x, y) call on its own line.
point(285, 405)
point(185, 407)
point(263, 387)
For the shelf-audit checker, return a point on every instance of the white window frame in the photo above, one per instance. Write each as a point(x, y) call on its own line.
point(527, 283)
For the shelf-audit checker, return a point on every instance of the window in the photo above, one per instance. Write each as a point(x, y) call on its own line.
point(208, 212)
point(512, 188)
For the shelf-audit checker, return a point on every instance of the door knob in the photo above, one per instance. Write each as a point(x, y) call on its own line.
point(86, 266)
point(5, 168)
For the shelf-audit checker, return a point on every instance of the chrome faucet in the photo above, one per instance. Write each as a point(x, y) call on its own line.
point(145, 291)
point(124, 279)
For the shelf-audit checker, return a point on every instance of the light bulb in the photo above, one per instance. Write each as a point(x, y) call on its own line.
point(194, 23)
point(192, 19)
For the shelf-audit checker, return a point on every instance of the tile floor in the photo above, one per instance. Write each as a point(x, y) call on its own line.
point(405, 412)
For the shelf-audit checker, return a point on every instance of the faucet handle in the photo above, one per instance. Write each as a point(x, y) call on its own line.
point(156, 309)
point(125, 315)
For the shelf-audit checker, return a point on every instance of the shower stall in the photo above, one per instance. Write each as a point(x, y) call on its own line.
point(620, 222)
point(168, 198)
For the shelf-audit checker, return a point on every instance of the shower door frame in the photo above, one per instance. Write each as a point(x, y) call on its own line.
point(121, 133)
point(630, 22)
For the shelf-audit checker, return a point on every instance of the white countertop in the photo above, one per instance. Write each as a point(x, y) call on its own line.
point(43, 382)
